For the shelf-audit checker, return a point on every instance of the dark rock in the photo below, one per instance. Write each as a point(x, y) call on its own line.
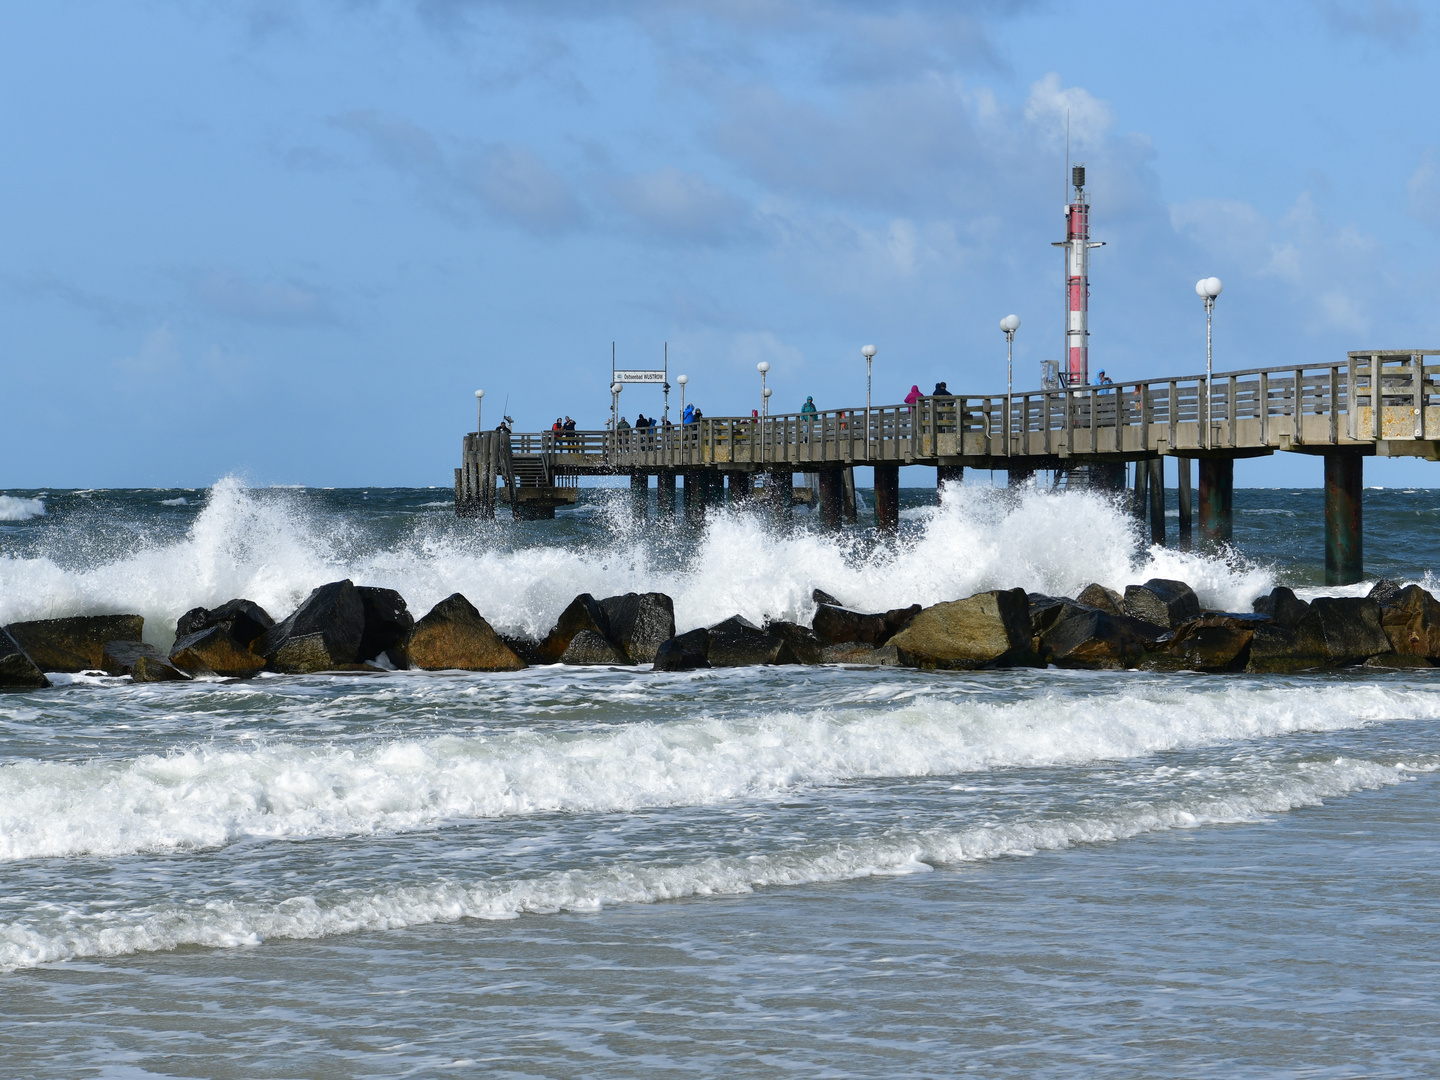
point(1349, 626)
point(835, 625)
point(387, 623)
point(1097, 640)
point(820, 596)
point(1211, 643)
point(142, 662)
point(243, 620)
point(989, 629)
point(76, 643)
point(1410, 618)
point(212, 651)
point(584, 613)
point(1384, 592)
point(323, 633)
point(1276, 649)
point(1106, 600)
point(1397, 661)
point(737, 642)
point(803, 641)
point(527, 649)
point(1162, 602)
point(1283, 606)
point(18, 671)
point(684, 651)
point(639, 623)
point(854, 652)
point(453, 636)
point(588, 647)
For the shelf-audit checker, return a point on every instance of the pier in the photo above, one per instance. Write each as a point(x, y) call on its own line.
point(1384, 403)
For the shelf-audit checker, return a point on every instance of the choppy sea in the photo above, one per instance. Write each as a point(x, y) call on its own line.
point(825, 872)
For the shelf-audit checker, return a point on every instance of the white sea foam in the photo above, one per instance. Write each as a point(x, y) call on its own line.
point(209, 796)
point(17, 509)
point(276, 548)
point(65, 934)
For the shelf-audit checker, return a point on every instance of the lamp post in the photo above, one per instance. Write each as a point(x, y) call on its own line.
point(1009, 324)
point(615, 389)
point(1208, 289)
point(869, 353)
point(479, 410)
point(682, 380)
point(763, 368)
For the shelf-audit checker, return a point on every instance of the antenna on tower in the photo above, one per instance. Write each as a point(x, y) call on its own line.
point(1067, 151)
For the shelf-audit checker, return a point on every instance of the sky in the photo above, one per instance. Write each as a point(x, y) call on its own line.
point(288, 240)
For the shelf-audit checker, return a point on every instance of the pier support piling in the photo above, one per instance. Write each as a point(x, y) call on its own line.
point(1187, 501)
point(694, 497)
point(781, 486)
point(831, 497)
point(1217, 500)
point(639, 496)
point(1344, 550)
point(887, 498)
point(1156, 468)
point(847, 496)
point(945, 475)
point(741, 489)
point(1139, 499)
point(1018, 476)
point(665, 494)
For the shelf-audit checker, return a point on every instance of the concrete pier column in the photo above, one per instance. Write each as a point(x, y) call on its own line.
point(1217, 500)
point(946, 475)
point(694, 497)
point(847, 496)
point(741, 488)
point(782, 494)
point(1139, 501)
point(1344, 548)
point(714, 486)
point(887, 498)
point(1156, 482)
point(832, 496)
point(1187, 501)
point(640, 495)
point(1018, 476)
point(665, 494)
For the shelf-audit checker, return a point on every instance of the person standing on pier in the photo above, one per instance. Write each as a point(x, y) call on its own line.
point(807, 415)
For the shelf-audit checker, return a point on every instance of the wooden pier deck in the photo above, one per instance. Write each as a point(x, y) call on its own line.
point(1384, 402)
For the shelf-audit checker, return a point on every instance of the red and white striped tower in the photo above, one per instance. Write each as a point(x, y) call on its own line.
point(1077, 245)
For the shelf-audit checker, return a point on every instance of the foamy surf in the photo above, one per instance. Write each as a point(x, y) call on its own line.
point(18, 509)
point(208, 796)
point(273, 547)
point(70, 933)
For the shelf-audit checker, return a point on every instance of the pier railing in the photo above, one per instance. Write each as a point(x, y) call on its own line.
point(1307, 407)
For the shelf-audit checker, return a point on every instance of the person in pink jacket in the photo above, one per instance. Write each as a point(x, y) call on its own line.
point(913, 396)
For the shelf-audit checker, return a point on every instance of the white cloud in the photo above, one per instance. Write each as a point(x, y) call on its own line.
point(159, 352)
point(1053, 107)
point(681, 205)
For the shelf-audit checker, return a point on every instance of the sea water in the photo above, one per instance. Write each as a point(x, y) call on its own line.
point(615, 872)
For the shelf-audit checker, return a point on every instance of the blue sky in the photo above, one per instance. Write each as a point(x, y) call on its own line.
point(288, 240)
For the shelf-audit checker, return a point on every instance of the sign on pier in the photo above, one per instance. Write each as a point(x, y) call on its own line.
point(640, 376)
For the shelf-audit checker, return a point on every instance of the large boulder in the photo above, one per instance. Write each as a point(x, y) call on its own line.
point(1410, 618)
point(737, 642)
point(856, 652)
point(453, 636)
point(76, 643)
point(588, 647)
point(1097, 640)
point(1214, 643)
point(1277, 649)
point(836, 625)
point(638, 623)
point(321, 634)
point(18, 671)
point(1096, 595)
point(212, 651)
point(803, 642)
point(583, 613)
point(1162, 601)
point(142, 662)
point(1349, 626)
point(387, 623)
point(989, 629)
point(242, 620)
point(684, 652)
point(1282, 606)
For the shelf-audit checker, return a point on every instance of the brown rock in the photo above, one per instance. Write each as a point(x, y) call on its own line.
point(1278, 649)
point(18, 671)
point(1411, 621)
point(1106, 600)
point(142, 662)
point(1349, 626)
point(454, 637)
point(1218, 643)
point(1282, 606)
point(803, 641)
point(243, 620)
point(214, 652)
point(855, 652)
point(322, 633)
point(76, 643)
point(1096, 640)
point(1162, 602)
point(989, 629)
point(835, 625)
point(583, 613)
